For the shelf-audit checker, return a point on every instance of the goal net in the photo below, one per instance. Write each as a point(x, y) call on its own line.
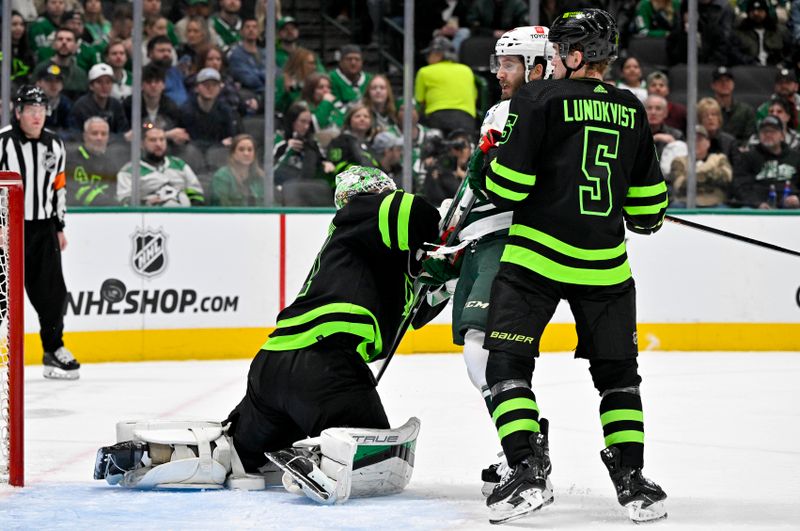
point(11, 328)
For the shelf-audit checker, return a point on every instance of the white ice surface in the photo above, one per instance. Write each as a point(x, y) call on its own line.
point(722, 434)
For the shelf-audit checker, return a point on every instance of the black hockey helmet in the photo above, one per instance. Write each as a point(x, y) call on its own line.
point(29, 95)
point(593, 29)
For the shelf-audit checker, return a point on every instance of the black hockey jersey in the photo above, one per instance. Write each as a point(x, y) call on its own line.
point(577, 157)
point(361, 282)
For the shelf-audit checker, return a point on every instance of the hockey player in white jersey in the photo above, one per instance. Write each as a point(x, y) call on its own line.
point(521, 55)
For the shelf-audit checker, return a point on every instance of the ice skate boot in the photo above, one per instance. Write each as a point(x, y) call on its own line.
point(60, 365)
point(525, 488)
point(643, 499)
point(492, 474)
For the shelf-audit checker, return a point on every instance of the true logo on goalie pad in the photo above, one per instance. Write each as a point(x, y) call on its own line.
point(149, 256)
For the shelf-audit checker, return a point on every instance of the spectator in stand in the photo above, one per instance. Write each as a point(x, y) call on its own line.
point(117, 58)
point(713, 173)
point(786, 87)
point(325, 109)
point(91, 175)
point(446, 89)
point(163, 180)
point(151, 11)
point(495, 17)
point(160, 53)
point(157, 108)
point(766, 175)
point(738, 118)
point(420, 137)
point(289, 84)
point(631, 79)
point(761, 39)
point(51, 81)
point(96, 25)
point(451, 24)
point(197, 41)
point(247, 60)
point(658, 84)
point(379, 97)
point(286, 43)
point(781, 109)
point(88, 54)
point(387, 148)
point(241, 181)
point(296, 155)
point(207, 118)
point(656, 107)
point(98, 102)
point(709, 115)
point(192, 8)
point(42, 32)
point(656, 18)
point(122, 26)
point(22, 58)
point(75, 81)
point(794, 22)
point(715, 25)
point(226, 24)
point(351, 148)
point(349, 81)
point(153, 27)
point(239, 101)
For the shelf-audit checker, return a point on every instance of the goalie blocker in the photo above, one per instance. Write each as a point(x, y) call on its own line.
point(339, 464)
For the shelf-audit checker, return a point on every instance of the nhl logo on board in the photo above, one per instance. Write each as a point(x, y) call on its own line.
point(149, 256)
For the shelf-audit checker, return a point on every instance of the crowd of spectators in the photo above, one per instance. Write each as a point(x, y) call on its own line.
point(204, 77)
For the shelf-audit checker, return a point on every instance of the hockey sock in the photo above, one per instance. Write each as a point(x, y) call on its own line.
point(516, 416)
point(623, 424)
point(475, 358)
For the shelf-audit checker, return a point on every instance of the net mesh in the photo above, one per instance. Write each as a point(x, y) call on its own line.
point(5, 409)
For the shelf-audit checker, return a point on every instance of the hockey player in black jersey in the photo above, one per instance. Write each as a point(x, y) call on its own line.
point(312, 372)
point(577, 161)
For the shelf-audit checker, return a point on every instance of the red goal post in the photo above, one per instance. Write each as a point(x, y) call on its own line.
point(12, 375)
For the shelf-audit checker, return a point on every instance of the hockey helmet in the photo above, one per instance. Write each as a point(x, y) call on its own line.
point(359, 180)
point(29, 95)
point(593, 29)
point(529, 42)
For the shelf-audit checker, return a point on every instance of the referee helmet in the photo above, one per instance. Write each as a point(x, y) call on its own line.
point(29, 95)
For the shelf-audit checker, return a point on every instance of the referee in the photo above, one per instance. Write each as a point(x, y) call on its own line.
point(38, 155)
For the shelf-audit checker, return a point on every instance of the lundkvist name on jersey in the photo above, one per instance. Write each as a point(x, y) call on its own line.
point(117, 300)
point(585, 110)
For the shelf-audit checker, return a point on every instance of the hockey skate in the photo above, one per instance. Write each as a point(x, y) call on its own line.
point(492, 474)
point(60, 365)
point(304, 475)
point(525, 488)
point(643, 499)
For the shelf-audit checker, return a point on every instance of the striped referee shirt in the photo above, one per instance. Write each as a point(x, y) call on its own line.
point(41, 163)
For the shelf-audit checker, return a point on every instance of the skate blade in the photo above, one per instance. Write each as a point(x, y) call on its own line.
point(652, 513)
point(55, 373)
point(535, 499)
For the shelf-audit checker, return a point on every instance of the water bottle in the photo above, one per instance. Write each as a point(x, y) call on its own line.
point(787, 191)
point(772, 196)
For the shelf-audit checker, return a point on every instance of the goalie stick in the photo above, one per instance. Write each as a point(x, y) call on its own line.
point(421, 290)
point(739, 237)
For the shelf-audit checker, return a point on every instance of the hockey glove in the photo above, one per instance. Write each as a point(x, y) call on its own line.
point(641, 230)
point(475, 177)
point(437, 271)
point(489, 140)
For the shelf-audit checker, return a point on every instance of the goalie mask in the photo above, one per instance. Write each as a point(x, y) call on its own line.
point(360, 180)
point(528, 42)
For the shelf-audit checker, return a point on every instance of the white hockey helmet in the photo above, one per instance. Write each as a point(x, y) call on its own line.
point(528, 42)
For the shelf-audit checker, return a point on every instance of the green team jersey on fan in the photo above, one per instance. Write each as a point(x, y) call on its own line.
point(360, 283)
point(484, 217)
point(581, 151)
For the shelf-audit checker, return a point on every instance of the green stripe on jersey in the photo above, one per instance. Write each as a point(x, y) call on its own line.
point(505, 193)
point(565, 248)
point(402, 221)
point(571, 275)
point(647, 191)
point(512, 175)
point(383, 220)
point(647, 209)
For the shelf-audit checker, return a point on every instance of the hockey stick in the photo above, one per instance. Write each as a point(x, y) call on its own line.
point(739, 237)
point(425, 288)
